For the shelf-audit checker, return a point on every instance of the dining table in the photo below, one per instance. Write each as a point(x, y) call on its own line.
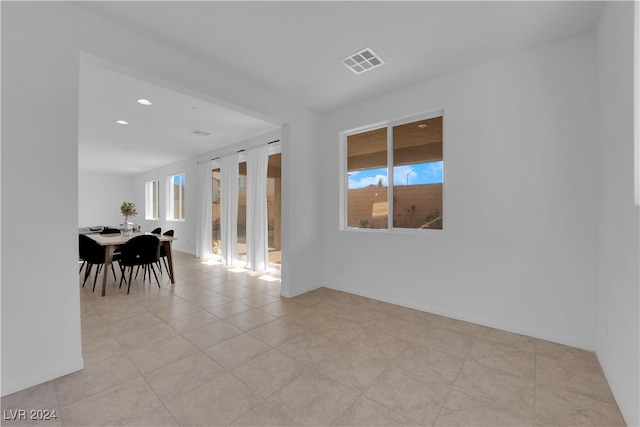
point(111, 242)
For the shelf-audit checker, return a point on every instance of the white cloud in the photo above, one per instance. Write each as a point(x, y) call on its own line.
point(365, 181)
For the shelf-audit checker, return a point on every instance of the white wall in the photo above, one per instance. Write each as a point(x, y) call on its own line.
point(42, 43)
point(185, 231)
point(40, 301)
point(100, 196)
point(518, 247)
point(618, 321)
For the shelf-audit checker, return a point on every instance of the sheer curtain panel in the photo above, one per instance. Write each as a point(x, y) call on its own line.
point(229, 209)
point(257, 232)
point(204, 236)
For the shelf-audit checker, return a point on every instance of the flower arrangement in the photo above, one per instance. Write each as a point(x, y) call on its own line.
point(128, 209)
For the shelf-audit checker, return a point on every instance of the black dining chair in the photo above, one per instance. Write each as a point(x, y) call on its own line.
point(163, 252)
point(157, 230)
point(143, 250)
point(93, 254)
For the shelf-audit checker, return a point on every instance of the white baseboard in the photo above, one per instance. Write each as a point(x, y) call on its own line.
point(483, 322)
point(40, 377)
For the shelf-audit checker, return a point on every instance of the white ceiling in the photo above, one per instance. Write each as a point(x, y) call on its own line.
point(296, 48)
point(156, 135)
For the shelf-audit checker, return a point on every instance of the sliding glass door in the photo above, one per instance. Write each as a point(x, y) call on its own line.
point(274, 212)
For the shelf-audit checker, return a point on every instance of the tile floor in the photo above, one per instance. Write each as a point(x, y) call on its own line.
point(223, 348)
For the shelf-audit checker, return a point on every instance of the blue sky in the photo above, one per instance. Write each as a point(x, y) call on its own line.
point(422, 173)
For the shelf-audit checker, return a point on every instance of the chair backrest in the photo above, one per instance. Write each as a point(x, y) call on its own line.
point(163, 251)
point(108, 230)
point(90, 250)
point(143, 249)
point(157, 230)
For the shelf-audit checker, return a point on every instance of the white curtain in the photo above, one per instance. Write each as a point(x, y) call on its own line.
point(257, 232)
point(229, 208)
point(205, 200)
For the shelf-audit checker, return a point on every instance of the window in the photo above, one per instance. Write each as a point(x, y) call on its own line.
point(175, 197)
point(151, 192)
point(395, 176)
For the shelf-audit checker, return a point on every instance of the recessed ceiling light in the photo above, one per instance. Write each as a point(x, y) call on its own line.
point(143, 101)
point(362, 61)
point(122, 122)
point(422, 125)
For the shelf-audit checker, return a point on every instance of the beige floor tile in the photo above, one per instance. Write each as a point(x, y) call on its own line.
point(572, 355)
point(229, 309)
point(176, 310)
point(410, 314)
point(463, 410)
point(213, 301)
point(402, 366)
point(159, 417)
point(192, 321)
point(352, 368)
point(98, 350)
point(429, 363)
point(502, 391)
point(269, 372)
point(454, 325)
point(503, 337)
point(365, 412)
point(17, 407)
point(157, 302)
point(138, 338)
point(194, 293)
point(137, 322)
point(250, 319)
point(276, 332)
point(182, 376)
point(409, 394)
point(451, 342)
point(339, 330)
point(218, 402)
point(328, 307)
point(282, 307)
point(235, 351)
point(115, 406)
point(314, 399)
point(557, 407)
point(265, 414)
point(161, 353)
point(237, 292)
point(309, 299)
point(95, 332)
point(112, 313)
point(575, 377)
point(379, 345)
point(259, 300)
point(518, 358)
point(309, 348)
point(400, 328)
point(306, 318)
point(212, 334)
point(94, 378)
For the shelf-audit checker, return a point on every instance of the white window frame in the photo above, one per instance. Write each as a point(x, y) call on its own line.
point(344, 178)
point(152, 200)
point(170, 197)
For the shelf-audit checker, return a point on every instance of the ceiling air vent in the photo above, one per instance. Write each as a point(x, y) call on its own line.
point(362, 61)
point(201, 133)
